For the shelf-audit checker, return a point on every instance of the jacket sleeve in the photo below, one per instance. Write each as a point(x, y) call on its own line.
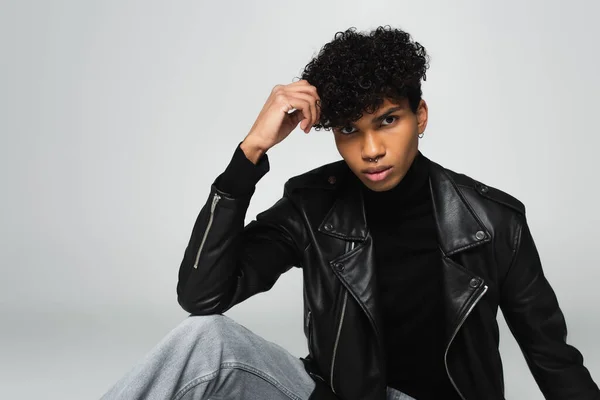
point(532, 312)
point(226, 262)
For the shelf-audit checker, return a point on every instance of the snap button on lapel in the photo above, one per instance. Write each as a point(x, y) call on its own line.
point(331, 179)
point(480, 235)
point(475, 283)
point(482, 188)
point(339, 266)
point(328, 227)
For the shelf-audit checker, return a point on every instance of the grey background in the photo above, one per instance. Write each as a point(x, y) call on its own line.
point(117, 115)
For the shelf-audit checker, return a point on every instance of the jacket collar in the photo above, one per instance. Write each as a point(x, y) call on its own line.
point(458, 226)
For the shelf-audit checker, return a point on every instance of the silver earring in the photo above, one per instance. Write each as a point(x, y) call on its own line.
point(421, 135)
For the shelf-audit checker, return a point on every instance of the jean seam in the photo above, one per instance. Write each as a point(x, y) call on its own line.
point(263, 375)
point(193, 383)
point(236, 365)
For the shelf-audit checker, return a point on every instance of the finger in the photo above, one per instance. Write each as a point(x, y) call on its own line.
point(311, 120)
point(312, 91)
point(314, 109)
point(301, 82)
point(296, 117)
point(318, 107)
point(304, 103)
point(298, 112)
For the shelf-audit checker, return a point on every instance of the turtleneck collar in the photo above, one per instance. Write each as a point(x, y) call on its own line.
point(411, 190)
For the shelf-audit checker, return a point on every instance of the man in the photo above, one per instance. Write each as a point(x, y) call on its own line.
point(405, 262)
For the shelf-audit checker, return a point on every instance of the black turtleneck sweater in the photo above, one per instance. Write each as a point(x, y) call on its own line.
point(409, 275)
point(408, 262)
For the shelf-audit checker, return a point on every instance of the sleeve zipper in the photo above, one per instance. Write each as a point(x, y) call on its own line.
point(215, 200)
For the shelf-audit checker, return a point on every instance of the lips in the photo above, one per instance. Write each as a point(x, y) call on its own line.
point(373, 170)
point(378, 176)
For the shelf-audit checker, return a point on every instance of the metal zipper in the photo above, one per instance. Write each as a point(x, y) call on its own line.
point(215, 200)
point(454, 335)
point(337, 339)
point(309, 328)
point(310, 340)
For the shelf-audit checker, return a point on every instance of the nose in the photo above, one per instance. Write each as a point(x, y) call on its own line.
point(372, 147)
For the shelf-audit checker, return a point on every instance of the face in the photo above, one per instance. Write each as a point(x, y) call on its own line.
point(389, 134)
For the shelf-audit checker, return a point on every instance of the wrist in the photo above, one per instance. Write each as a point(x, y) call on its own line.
point(252, 150)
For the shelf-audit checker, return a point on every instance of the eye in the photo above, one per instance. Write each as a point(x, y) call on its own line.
point(390, 116)
point(341, 130)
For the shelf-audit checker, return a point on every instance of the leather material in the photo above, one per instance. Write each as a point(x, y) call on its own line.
point(489, 262)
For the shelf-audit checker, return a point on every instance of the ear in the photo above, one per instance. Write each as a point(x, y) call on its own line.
point(422, 115)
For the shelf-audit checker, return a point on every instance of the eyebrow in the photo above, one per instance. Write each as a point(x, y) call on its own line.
point(385, 114)
point(381, 117)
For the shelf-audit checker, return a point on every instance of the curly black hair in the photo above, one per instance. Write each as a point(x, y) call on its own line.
point(354, 73)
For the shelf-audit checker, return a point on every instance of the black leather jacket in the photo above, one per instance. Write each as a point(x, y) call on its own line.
point(489, 261)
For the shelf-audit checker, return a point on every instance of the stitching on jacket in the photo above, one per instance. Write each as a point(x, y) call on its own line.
point(516, 207)
point(516, 248)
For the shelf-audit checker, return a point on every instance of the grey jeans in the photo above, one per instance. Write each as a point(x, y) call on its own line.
point(215, 357)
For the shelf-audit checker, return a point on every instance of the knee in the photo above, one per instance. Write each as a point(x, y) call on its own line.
point(215, 327)
point(218, 332)
point(202, 323)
